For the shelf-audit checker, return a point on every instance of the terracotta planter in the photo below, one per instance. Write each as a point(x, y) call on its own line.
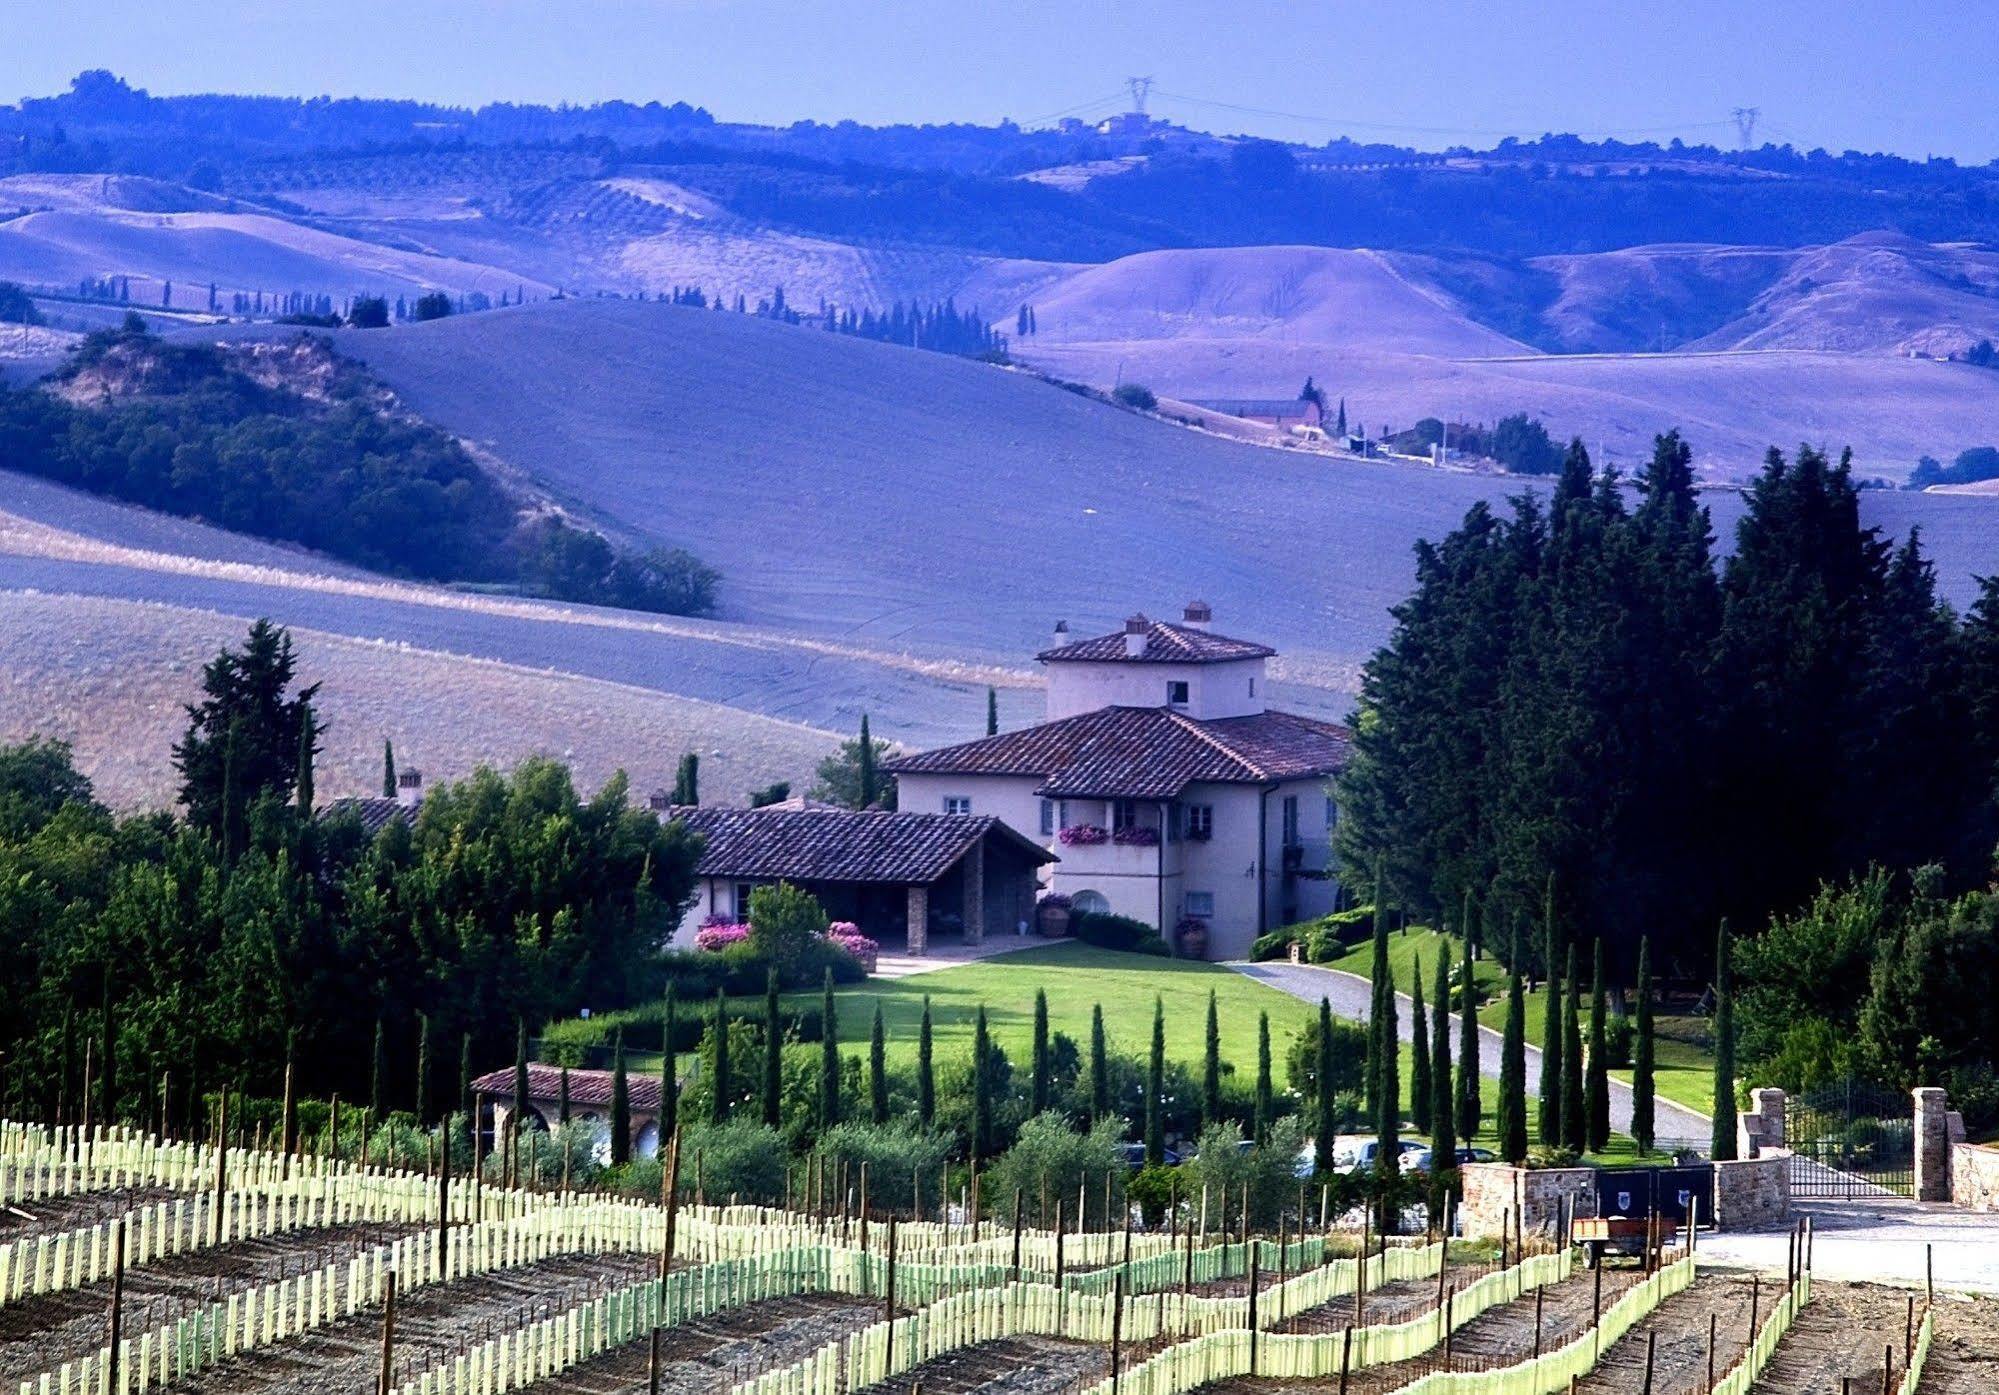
point(1192, 939)
point(1052, 920)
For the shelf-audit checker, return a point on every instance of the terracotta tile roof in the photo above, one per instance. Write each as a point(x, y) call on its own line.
point(374, 812)
point(1146, 752)
point(841, 845)
point(1165, 643)
point(587, 1088)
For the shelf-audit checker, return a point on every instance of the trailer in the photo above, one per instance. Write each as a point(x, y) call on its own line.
point(1620, 1235)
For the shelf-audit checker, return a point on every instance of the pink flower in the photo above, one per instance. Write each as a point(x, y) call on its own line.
point(1083, 835)
point(720, 934)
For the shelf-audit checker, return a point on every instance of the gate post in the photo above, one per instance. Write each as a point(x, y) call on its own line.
point(1932, 1144)
point(1762, 1127)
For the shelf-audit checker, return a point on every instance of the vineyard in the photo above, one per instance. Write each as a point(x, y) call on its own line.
point(130, 1263)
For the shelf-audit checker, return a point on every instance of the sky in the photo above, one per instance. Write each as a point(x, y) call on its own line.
point(1911, 77)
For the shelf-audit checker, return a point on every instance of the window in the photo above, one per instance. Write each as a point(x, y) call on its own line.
point(1290, 820)
point(1048, 817)
point(743, 890)
point(1200, 822)
point(1252, 687)
point(957, 804)
point(1089, 903)
point(1176, 692)
point(1198, 903)
point(1332, 813)
point(1124, 814)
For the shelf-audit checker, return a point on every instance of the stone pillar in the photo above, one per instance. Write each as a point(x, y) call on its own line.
point(1762, 1126)
point(1932, 1145)
point(975, 893)
point(919, 919)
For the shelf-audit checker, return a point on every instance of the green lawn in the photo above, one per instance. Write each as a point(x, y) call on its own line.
point(1075, 976)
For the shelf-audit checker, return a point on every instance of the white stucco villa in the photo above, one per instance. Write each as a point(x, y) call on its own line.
point(1166, 787)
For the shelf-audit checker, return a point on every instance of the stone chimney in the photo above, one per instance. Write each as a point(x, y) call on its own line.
point(1134, 636)
point(1061, 633)
point(409, 788)
point(660, 800)
point(1198, 616)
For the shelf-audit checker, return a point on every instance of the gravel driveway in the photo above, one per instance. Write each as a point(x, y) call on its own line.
point(1350, 996)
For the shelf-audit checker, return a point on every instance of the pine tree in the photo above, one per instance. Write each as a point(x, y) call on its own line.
point(621, 1103)
point(308, 733)
point(1443, 1102)
point(869, 781)
point(1038, 1097)
point(719, 1101)
point(773, 1073)
point(520, 1076)
point(1419, 1043)
point(1644, 1059)
point(1266, 1104)
point(1723, 1149)
point(422, 1067)
point(1550, 1113)
point(982, 1088)
point(992, 711)
point(1155, 1087)
point(926, 1073)
point(1100, 1067)
point(1575, 1119)
point(388, 769)
point(1513, 1069)
point(1470, 1103)
point(1211, 1066)
point(669, 1070)
point(1598, 1081)
point(878, 1070)
point(1326, 1125)
point(829, 1059)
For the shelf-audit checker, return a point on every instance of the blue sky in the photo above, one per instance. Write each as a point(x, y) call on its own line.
point(1913, 77)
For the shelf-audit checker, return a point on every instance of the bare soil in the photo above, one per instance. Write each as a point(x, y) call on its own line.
point(27, 1219)
point(1844, 1332)
point(38, 1333)
point(1964, 1352)
point(1013, 1366)
point(1676, 1335)
point(715, 1352)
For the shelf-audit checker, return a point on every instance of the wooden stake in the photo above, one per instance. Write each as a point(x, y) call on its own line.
point(1596, 1303)
point(444, 1198)
point(1651, 1346)
point(1887, 1369)
point(1713, 1320)
point(221, 1160)
point(117, 1304)
point(1755, 1302)
point(387, 1383)
point(1346, 1360)
point(1909, 1334)
point(1540, 1293)
point(1117, 1326)
point(888, 1298)
point(672, 1211)
point(1253, 1276)
point(652, 1364)
point(1016, 1234)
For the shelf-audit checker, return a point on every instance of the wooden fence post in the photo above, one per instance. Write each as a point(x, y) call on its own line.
point(117, 1303)
point(387, 1382)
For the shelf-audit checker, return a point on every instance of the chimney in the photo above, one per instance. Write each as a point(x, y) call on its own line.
point(660, 800)
point(1134, 636)
point(1199, 615)
point(409, 788)
point(1061, 633)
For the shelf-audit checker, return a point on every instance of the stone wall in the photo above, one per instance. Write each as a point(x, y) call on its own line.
point(1542, 1196)
point(1974, 1177)
point(1753, 1193)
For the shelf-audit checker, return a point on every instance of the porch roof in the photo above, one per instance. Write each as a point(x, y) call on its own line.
point(843, 845)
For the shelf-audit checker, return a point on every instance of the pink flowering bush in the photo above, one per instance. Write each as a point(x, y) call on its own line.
point(1082, 835)
point(848, 936)
point(720, 934)
point(1136, 837)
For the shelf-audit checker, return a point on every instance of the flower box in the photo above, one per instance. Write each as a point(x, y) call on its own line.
point(1084, 835)
point(1136, 837)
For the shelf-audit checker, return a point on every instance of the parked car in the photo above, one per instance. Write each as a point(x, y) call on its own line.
point(1362, 1152)
point(1418, 1159)
point(1134, 1156)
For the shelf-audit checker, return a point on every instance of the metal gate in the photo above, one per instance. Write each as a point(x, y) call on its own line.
point(1851, 1140)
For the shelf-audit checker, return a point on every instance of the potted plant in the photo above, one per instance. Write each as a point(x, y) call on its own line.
point(1051, 916)
point(1190, 937)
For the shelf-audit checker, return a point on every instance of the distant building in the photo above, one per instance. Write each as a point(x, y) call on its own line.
point(375, 811)
point(1171, 793)
point(1285, 415)
point(589, 1103)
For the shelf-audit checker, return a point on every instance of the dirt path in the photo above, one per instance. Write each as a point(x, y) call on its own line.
point(1677, 1334)
point(1013, 1366)
point(1844, 1331)
point(715, 1352)
point(1964, 1352)
point(37, 1333)
point(433, 1324)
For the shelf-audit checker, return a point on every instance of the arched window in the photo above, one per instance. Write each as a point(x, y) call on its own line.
point(1089, 903)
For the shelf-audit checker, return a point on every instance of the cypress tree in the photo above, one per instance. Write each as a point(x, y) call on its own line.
point(773, 1081)
point(1038, 1099)
point(982, 1087)
point(718, 1104)
point(1419, 1044)
point(926, 1075)
point(1380, 1045)
point(1155, 1086)
point(669, 1071)
point(302, 790)
point(377, 1067)
point(992, 712)
point(829, 1059)
point(1443, 1126)
point(1550, 1112)
point(520, 1075)
point(1265, 1096)
point(1723, 1149)
point(868, 783)
point(1211, 1066)
point(1388, 1115)
point(1470, 1103)
point(1575, 1121)
point(1325, 1127)
point(1644, 1058)
point(562, 1098)
point(878, 1070)
point(388, 769)
point(1100, 1067)
point(1513, 1069)
point(621, 1103)
point(465, 1102)
point(1598, 1083)
point(422, 1067)
point(687, 780)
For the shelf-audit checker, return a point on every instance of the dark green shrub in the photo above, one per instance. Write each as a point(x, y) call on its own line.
point(1107, 931)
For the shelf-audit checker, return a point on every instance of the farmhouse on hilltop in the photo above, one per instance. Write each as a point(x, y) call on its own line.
point(1170, 792)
